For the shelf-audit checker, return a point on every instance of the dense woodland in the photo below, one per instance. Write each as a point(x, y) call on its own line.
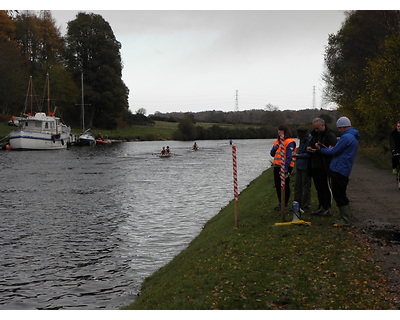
point(363, 71)
point(31, 45)
point(362, 75)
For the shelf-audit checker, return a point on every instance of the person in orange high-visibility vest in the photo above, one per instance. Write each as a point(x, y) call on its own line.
point(289, 146)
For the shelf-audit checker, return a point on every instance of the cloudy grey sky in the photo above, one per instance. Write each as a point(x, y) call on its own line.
point(195, 60)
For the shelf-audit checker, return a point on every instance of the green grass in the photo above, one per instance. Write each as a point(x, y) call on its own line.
point(261, 266)
point(144, 133)
point(160, 131)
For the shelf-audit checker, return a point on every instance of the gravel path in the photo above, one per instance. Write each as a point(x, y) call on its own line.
point(375, 203)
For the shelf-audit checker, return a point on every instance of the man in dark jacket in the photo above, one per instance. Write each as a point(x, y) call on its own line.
point(344, 154)
point(395, 146)
point(319, 162)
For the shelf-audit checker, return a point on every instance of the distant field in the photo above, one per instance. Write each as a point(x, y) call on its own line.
point(162, 130)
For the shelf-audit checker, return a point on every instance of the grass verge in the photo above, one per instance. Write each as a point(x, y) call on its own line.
point(260, 266)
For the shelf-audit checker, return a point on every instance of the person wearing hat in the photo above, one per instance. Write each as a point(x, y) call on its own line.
point(302, 184)
point(343, 155)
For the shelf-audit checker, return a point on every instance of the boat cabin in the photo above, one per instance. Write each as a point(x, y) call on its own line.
point(40, 122)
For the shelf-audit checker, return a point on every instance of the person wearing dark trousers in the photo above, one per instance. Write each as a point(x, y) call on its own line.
point(343, 156)
point(285, 153)
point(394, 141)
point(319, 164)
point(302, 183)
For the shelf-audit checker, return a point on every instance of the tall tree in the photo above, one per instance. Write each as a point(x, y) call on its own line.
point(13, 69)
point(358, 41)
point(380, 103)
point(40, 41)
point(7, 28)
point(93, 49)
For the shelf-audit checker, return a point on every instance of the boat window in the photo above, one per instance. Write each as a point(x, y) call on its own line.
point(46, 125)
point(38, 124)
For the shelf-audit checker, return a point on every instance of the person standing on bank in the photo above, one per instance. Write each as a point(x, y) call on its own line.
point(302, 183)
point(395, 147)
point(343, 155)
point(320, 165)
point(289, 146)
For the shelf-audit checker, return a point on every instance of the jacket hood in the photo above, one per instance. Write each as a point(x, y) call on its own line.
point(354, 132)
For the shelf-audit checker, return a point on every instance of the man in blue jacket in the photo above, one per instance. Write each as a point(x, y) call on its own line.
point(343, 156)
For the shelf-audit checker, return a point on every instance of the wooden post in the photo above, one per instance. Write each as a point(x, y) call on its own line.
point(235, 187)
point(282, 176)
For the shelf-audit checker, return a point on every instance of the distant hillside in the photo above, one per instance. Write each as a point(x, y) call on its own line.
point(252, 117)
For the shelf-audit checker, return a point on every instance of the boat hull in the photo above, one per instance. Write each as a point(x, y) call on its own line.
point(102, 142)
point(86, 140)
point(27, 140)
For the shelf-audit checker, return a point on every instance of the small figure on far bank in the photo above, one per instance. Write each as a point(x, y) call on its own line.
point(287, 154)
point(319, 165)
point(395, 147)
point(302, 184)
point(343, 156)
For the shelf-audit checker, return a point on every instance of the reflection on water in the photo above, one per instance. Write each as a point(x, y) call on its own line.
point(81, 228)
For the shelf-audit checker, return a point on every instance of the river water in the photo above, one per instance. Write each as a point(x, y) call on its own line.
point(82, 228)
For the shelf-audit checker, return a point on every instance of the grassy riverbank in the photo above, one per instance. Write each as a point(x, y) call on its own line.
point(260, 266)
point(160, 131)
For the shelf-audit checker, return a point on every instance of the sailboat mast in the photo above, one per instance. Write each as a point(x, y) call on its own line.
point(83, 105)
point(48, 94)
point(31, 94)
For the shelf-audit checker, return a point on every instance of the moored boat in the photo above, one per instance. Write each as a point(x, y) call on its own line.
point(40, 131)
point(102, 142)
point(86, 139)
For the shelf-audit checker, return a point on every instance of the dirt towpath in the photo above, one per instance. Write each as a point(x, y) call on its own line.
point(375, 203)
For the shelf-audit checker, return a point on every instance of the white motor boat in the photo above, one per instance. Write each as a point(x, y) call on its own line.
point(40, 132)
point(86, 139)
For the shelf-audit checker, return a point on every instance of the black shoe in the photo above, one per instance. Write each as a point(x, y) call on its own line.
point(317, 212)
point(326, 213)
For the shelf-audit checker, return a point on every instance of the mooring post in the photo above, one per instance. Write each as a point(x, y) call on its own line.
point(282, 176)
point(235, 187)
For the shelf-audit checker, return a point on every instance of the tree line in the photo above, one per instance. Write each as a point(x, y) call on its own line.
point(363, 71)
point(250, 124)
point(32, 45)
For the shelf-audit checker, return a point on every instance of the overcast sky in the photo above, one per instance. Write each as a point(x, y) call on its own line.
point(195, 60)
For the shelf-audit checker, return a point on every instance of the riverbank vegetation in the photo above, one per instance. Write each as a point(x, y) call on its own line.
point(362, 77)
point(261, 266)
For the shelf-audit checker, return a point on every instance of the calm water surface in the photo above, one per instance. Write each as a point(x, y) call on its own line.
point(81, 228)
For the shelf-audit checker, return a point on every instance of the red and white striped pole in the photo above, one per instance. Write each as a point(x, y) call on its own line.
point(282, 175)
point(235, 187)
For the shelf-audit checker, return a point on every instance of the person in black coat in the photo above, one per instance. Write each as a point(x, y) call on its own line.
point(319, 165)
point(395, 147)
